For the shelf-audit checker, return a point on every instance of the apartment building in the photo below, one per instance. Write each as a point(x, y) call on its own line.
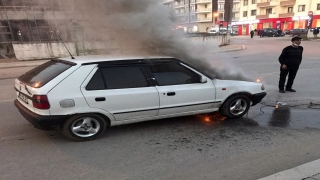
point(235, 11)
point(193, 15)
point(281, 14)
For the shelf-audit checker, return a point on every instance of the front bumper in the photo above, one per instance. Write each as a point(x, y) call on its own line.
point(256, 98)
point(39, 121)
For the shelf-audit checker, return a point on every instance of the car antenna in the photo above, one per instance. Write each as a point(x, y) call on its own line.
point(66, 47)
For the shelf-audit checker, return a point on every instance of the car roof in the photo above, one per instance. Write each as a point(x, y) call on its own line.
point(106, 58)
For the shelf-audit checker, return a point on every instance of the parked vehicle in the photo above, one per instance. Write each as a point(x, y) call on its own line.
point(84, 96)
point(311, 29)
point(299, 32)
point(271, 32)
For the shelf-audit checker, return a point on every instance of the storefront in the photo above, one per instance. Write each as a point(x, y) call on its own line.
point(244, 27)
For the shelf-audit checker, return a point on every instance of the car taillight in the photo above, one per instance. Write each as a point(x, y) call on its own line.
point(40, 102)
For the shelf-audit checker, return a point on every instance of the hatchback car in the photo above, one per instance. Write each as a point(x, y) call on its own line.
point(84, 96)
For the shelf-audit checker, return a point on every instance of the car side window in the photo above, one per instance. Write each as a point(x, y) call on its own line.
point(96, 82)
point(117, 78)
point(173, 74)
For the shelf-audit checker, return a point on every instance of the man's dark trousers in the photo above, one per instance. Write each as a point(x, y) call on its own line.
point(292, 71)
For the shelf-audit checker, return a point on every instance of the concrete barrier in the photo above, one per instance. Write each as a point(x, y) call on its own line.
point(34, 51)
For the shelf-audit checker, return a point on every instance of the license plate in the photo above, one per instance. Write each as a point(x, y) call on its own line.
point(23, 98)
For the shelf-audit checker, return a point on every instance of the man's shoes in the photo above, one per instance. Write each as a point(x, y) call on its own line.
point(291, 90)
point(282, 91)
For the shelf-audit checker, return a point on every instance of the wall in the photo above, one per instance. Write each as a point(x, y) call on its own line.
point(33, 51)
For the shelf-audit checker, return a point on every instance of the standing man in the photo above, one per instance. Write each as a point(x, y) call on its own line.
point(251, 33)
point(315, 32)
point(290, 60)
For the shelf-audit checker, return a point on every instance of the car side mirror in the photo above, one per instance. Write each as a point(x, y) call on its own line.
point(203, 79)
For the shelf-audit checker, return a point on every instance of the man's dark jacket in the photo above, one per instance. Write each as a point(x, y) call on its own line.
point(291, 56)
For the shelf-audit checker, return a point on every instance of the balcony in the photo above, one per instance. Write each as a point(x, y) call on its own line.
point(220, 18)
point(267, 3)
point(204, 19)
point(235, 18)
point(203, 1)
point(204, 10)
point(287, 3)
point(236, 1)
point(167, 1)
point(192, 1)
point(220, 9)
point(266, 16)
point(235, 9)
point(286, 15)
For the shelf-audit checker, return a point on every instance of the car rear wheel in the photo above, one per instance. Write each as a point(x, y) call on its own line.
point(235, 106)
point(84, 127)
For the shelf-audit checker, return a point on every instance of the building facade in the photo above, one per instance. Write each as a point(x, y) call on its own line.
point(280, 14)
point(194, 15)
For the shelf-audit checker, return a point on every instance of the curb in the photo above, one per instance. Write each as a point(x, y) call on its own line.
point(242, 47)
point(39, 62)
point(22, 64)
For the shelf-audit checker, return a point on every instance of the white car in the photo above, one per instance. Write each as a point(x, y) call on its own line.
point(84, 96)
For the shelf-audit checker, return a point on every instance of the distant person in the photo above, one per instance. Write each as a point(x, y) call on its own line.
point(279, 32)
point(315, 32)
point(290, 60)
point(252, 33)
point(261, 33)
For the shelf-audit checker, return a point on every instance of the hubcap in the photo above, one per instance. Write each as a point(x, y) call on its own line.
point(238, 107)
point(85, 127)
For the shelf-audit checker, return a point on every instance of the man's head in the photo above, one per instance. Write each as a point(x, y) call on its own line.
point(296, 40)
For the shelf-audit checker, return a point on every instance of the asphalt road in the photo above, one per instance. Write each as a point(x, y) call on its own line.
point(266, 141)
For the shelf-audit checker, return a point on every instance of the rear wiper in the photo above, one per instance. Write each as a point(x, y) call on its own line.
point(25, 87)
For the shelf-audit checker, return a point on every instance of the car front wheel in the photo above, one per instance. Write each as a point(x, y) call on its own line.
point(235, 106)
point(84, 127)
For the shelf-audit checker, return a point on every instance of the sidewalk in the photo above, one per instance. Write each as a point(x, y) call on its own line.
point(13, 63)
point(308, 171)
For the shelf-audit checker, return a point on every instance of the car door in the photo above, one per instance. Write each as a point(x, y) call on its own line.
point(181, 90)
point(123, 91)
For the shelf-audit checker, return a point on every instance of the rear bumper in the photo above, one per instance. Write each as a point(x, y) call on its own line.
point(39, 121)
point(256, 98)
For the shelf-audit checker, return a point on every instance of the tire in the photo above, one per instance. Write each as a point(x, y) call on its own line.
point(84, 127)
point(240, 105)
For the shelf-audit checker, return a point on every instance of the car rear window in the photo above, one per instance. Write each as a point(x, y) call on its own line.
point(44, 73)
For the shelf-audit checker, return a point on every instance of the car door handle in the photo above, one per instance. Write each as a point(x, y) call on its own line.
point(100, 99)
point(171, 93)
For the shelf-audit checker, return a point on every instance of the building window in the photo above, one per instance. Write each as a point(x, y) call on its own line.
point(290, 9)
point(253, 12)
point(318, 6)
point(254, 1)
point(221, 7)
point(269, 11)
point(245, 13)
point(301, 8)
point(233, 15)
point(220, 15)
point(245, 2)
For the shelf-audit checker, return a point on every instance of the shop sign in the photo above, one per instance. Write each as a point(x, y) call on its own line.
point(309, 22)
point(297, 18)
point(245, 22)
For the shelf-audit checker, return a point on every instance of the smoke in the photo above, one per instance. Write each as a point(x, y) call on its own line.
point(140, 27)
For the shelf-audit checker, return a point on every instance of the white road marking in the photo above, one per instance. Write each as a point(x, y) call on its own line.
point(297, 173)
point(8, 100)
